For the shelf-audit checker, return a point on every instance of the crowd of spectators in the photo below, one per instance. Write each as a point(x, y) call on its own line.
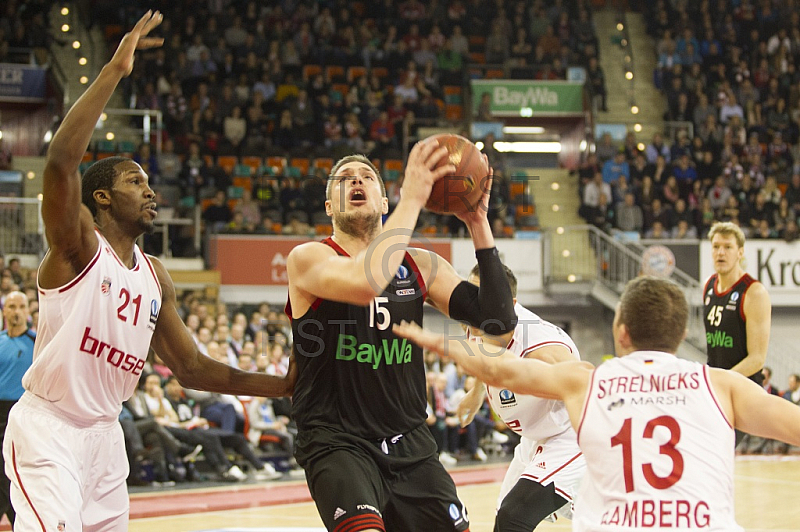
point(322, 79)
point(728, 70)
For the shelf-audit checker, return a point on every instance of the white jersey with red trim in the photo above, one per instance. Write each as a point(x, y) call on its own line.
point(532, 417)
point(659, 450)
point(94, 336)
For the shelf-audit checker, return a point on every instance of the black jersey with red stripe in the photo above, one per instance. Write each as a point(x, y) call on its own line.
point(726, 328)
point(354, 374)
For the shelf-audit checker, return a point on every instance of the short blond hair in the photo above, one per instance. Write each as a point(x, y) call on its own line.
point(727, 229)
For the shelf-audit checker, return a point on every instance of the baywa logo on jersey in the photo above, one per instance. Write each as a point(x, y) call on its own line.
point(153, 314)
point(507, 398)
point(105, 286)
point(402, 277)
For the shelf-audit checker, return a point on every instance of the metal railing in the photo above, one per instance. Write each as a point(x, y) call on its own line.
point(21, 227)
point(585, 254)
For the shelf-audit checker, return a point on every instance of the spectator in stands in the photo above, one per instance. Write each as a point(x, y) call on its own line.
point(591, 196)
point(616, 167)
point(656, 148)
point(194, 174)
point(792, 194)
point(629, 215)
point(597, 82)
point(382, 132)
point(264, 422)
point(218, 213)
point(147, 160)
point(169, 163)
point(603, 215)
point(764, 231)
point(606, 149)
point(685, 174)
point(683, 230)
point(657, 212)
point(762, 210)
point(718, 194)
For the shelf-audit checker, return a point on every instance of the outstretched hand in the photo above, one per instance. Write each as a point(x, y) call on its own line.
point(423, 338)
point(137, 39)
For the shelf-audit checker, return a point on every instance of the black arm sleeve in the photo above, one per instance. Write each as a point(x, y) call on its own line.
point(489, 307)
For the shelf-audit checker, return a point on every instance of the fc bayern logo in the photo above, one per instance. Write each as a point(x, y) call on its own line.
point(658, 261)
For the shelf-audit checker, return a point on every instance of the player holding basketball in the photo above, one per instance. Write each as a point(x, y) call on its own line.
point(103, 304)
point(656, 430)
point(737, 308)
point(360, 396)
point(547, 468)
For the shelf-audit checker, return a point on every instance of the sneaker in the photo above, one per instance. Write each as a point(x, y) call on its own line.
point(480, 455)
point(499, 437)
point(447, 459)
point(267, 473)
point(193, 453)
point(234, 474)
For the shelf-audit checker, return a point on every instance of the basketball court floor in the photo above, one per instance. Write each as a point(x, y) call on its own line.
point(766, 500)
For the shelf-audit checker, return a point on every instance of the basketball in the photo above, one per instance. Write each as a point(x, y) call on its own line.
point(461, 191)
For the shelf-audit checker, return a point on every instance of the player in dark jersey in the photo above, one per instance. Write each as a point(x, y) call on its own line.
point(737, 308)
point(360, 397)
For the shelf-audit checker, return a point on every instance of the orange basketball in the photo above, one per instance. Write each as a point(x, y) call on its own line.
point(461, 191)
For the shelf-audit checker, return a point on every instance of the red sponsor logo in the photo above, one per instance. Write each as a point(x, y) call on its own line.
point(116, 357)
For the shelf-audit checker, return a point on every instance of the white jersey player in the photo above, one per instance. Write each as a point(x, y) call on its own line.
point(646, 428)
point(656, 431)
point(103, 305)
point(545, 473)
point(105, 319)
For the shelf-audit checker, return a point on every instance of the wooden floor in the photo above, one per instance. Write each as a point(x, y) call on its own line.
point(766, 499)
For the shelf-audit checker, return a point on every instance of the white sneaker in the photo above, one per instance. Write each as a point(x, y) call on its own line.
point(192, 455)
point(267, 473)
point(447, 459)
point(499, 437)
point(235, 473)
point(480, 455)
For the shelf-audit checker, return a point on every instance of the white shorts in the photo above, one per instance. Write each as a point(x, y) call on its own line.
point(557, 460)
point(64, 477)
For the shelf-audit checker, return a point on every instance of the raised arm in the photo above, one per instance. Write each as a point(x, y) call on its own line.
point(490, 306)
point(758, 316)
point(68, 224)
point(193, 369)
point(494, 365)
point(318, 273)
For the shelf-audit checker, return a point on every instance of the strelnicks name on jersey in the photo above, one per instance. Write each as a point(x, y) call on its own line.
point(648, 384)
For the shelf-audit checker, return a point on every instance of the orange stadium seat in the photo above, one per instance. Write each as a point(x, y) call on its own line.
point(381, 72)
point(209, 159)
point(334, 73)
point(495, 73)
point(453, 112)
point(323, 229)
point(253, 162)
point(355, 72)
point(243, 182)
point(477, 57)
point(309, 71)
point(325, 163)
point(227, 163)
point(278, 164)
point(301, 164)
point(477, 42)
point(392, 168)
